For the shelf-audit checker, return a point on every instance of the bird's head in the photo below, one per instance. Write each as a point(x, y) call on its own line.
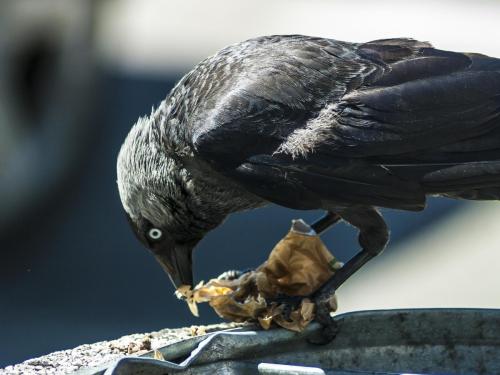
point(171, 249)
point(163, 203)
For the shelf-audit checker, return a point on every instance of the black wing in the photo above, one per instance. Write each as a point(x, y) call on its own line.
point(410, 120)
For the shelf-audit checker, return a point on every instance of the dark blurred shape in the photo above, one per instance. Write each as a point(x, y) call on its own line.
point(34, 66)
point(46, 77)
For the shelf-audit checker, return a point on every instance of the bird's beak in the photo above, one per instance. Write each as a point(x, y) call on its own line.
point(178, 264)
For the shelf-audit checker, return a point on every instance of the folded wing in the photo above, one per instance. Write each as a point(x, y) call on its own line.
point(417, 121)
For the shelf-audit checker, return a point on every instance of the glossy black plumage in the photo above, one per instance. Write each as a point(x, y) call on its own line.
point(312, 123)
point(398, 120)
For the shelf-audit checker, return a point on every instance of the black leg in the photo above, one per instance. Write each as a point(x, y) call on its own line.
point(373, 236)
point(325, 222)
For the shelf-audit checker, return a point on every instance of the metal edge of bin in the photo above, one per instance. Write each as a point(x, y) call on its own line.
point(446, 327)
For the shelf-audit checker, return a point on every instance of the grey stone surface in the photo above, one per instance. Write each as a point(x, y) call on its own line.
point(90, 355)
point(416, 341)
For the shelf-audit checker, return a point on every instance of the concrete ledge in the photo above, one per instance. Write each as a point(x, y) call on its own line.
point(90, 355)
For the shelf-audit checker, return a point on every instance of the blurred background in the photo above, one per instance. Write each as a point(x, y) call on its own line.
point(74, 77)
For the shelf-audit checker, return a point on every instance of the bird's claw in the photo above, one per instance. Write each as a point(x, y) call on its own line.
point(232, 274)
point(322, 299)
point(323, 316)
point(287, 303)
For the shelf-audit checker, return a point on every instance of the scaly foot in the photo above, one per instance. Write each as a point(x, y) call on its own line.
point(233, 274)
point(325, 304)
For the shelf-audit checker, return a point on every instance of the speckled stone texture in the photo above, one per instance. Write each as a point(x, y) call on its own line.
point(89, 355)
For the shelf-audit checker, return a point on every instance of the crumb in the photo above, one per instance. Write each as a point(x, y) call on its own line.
point(197, 331)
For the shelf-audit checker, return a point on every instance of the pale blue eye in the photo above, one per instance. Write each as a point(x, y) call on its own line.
point(154, 233)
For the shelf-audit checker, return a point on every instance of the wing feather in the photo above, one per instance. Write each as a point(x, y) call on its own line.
point(382, 123)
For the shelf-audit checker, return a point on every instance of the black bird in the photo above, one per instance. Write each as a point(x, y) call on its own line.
point(311, 123)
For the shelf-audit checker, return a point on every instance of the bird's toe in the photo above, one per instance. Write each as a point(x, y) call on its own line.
point(232, 274)
point(323, 316)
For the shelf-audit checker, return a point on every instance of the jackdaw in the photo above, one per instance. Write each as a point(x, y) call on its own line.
point(311, 123)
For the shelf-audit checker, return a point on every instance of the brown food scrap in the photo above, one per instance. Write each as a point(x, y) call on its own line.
point(197, 331)
point(132, 347)
point(146, 344)
point(297, 266)
point(299, 318)
point(186, 293)
point(201, 293)
point(139, 347)
point(157, 355)
point(229, 308)
point(266, 319)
